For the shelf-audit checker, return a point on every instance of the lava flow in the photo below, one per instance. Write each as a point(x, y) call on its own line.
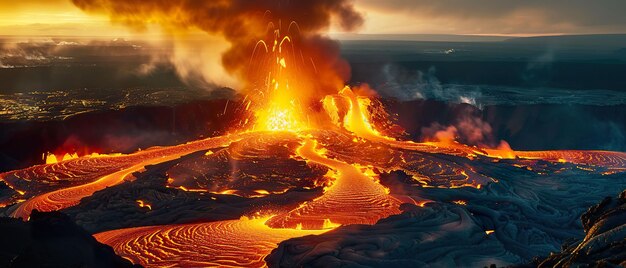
point(352, 198)
point(351, 152)
point(44, 184)
point(234, 243)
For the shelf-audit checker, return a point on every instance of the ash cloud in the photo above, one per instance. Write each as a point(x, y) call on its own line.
point(240, 24)
point(468, 129)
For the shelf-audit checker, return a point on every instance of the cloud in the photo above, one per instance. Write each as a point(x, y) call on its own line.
point(468, 129)
point(236, 26)
point(511, 16)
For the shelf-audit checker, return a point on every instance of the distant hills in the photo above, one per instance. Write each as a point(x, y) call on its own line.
point(421, 37)
point(605, 40)
point(590, 40)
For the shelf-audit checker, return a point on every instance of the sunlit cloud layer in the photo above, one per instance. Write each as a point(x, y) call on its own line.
point(494, 16)
point(511, 17)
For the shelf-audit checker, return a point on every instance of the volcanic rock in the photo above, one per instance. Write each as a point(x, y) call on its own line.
point(51, 239)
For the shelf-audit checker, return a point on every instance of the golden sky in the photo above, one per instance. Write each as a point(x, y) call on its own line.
point(511, 17)
point(53, 17)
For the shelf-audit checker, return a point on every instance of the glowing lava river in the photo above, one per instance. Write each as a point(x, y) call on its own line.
point(350, 174)
point(99, 172)
point(353, 198)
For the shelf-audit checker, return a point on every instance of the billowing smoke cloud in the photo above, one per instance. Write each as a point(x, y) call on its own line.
point(468, 129)
point(240, 24)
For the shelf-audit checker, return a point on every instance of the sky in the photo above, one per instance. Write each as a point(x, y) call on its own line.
point(474, 17)
point(52, 17)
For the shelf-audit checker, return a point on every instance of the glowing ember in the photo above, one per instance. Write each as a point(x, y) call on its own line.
point(143, 204)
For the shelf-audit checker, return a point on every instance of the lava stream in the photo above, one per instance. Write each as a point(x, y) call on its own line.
point(357, 120)
point(354, 198)
point(234, 243)
point(615, 161)
point(67, 197)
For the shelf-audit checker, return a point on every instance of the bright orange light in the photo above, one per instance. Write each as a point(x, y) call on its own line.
point(279, 108)
point(357, 117)
point(460, 202)
point(358, 120)
point(50, 158)
point(279, 116)
point(143, 204)
point(503, 151)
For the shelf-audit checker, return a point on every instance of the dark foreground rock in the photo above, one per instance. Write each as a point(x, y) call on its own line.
point(52, 240)
point(440, 235)
point(605, 242)
point(437, 235)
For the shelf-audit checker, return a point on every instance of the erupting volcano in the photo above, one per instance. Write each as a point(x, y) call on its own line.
point(322, 158)
point(345, 158)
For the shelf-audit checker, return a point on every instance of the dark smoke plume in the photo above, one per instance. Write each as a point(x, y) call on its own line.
point(242, 23)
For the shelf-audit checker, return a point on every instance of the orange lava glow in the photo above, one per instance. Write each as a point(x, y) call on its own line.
point(356, 118)
point(234, 243)
point(100, 171)
point(278, 101)
point(353, 198)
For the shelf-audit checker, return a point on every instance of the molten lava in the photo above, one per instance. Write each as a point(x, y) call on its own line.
point(85, 175)
point(353, 198)
point(234, 243)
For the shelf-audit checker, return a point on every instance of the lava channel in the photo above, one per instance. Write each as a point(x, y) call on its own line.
point(234, 243)
point(353, 198)
point(119, 168)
